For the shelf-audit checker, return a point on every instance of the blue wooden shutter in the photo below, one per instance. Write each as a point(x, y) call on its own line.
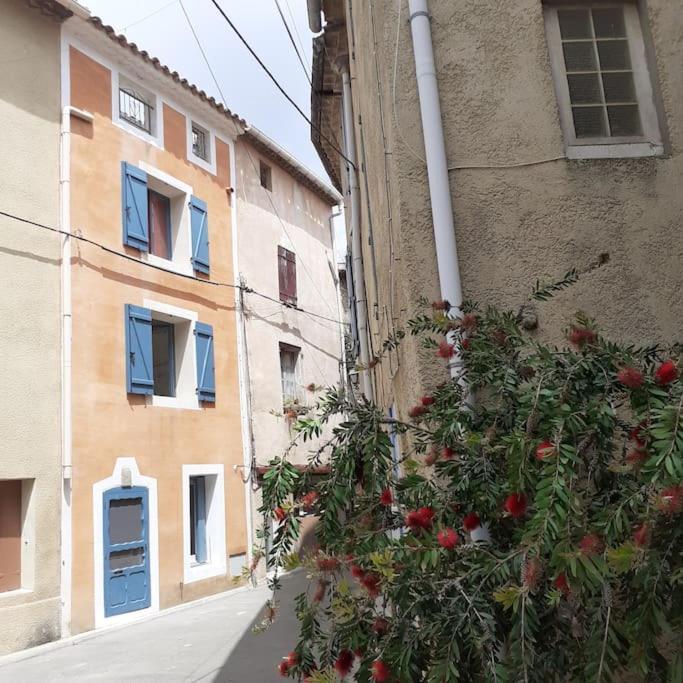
point(206, 373)
point(200, 235)
point(134, 207)
point(139, 366)
point(200, 553)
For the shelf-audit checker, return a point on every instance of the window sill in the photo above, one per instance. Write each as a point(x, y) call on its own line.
point(167, 264)
point(209, 166)
point(207, 570)
point(178, 402)
point(627, 150)
point(138, 132)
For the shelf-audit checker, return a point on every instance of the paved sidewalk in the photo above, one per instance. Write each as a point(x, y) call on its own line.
point(207, 642)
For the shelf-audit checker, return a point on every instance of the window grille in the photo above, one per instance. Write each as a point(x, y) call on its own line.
point(200, 147)
point(135, 109)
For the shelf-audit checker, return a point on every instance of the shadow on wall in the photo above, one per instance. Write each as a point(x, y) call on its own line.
point(256, 657)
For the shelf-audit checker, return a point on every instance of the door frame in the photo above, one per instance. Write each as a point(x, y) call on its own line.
point(126, 474)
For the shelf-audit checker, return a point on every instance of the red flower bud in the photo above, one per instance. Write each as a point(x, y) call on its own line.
point(669, 500)
point(630, 377)
point(666, 373)
point(469, 322)
point(591, 544)
point(581, 336)
point(417, 411)
point(420, 519)
point(380, 671)
point(371, 584)
point(637, 456)
point(447, 538)
point(283, 668)
point(471, 521)
point(386, 498)
point(441, 305)
point(515, 504)
point(327, 564)
point(380, 626)
point(531, 573)
point(562, 584)
point(320, 590)
point(279, 514)
point(465, 343)
point(431, 458)
point(427, 400)
point(445, 350)
point(292, 658)
point(447, 453)
point(357, 572)
point(344, 662)
point(309, 500)
point(545, 450)
point(641, 535)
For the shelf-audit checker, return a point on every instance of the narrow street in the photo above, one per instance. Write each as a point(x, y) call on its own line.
point(212, 641)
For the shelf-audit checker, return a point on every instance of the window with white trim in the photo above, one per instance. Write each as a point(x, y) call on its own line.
point(602, 79)
point(290, 373)
point(137, 106)
point(200, 142)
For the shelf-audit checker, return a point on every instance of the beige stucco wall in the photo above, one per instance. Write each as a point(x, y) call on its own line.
point(306, 231)
point(30, 305)
point(513, 225)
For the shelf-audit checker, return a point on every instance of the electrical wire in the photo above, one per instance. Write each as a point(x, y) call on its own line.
point(251, 158)
point(128, 257)
point(286, 95)
point(296, 30)
point(294, 45)
point(148, 16)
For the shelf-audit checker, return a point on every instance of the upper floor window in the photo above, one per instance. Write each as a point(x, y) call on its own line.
point(135, 107)
point(200, 142)
point(602, 80)
point(266, 175)
point(290, 374)
point(286, 268)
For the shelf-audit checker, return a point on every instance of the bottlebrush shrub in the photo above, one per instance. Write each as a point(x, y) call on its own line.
point(582, 582)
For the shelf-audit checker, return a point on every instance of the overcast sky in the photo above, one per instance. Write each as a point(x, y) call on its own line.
point(247, 88)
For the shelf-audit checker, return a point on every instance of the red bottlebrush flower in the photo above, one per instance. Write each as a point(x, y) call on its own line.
point(630, 377)
point(447, 453)
point(641, 535)
point(292, 658)
point(371, 584)
point(515, 504)
point(465, 343)
point(591, 544)
point(562, 584)
point(283, 668)
point(417, 411)
point(637, 456)
point(669, 500)
point(447, 538)
point(357, 572)
point(581, 336)
point(327, 564)
point(636, 434)
point(471, 521)
point(380, 626)
point(666, 373)
point(380, 671)
point(469, 322)
point(499, 337)
point(320, 590)
point(431, 458)
point(445, 350)
point(309, 500)
point(545, 450)
point(420, 519)
point(386, 498)
point(427, 400)
point(441, 305)
point(279, 513)
point(531, 573)
point(344, 662)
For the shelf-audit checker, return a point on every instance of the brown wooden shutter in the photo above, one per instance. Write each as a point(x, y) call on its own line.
point(286, 263)
point(10, 535)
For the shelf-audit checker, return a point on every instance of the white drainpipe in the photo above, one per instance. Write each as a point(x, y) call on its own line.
point(437, 166)
point(356, 247)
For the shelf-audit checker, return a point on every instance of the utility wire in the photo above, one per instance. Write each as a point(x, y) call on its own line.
point(294, 45)
point(251, 158)
point(127, 257)
point(277, 83)
point(148, 16)
point(296, 30)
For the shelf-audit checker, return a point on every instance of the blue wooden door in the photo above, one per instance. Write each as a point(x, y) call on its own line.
point(126, 550)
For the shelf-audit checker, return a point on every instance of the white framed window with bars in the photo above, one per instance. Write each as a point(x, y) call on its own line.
point(136, 109)
point(201, 144)
point(602, 80)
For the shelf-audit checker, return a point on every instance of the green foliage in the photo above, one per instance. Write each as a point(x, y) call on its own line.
point(583, 583)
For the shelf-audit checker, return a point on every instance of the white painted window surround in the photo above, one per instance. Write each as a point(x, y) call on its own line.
point(179, 194)
point(183, 321)
point(98, 490)
point(650, 142)
point(217, 561)
point(210, 164)
point(156, 137)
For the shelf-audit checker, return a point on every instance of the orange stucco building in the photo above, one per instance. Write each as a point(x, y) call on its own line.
point(158, 507)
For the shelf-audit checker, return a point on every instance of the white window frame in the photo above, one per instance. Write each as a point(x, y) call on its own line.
point(650, 143)
point(298, 372)
point(217, 563)
point(181, 229)
point(27, 558)
point(210, 164)
point(157, 135)
point(185, 358)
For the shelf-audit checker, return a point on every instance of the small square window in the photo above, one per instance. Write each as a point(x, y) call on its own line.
point(602, 80)
point(266, 174)
point(200, 142)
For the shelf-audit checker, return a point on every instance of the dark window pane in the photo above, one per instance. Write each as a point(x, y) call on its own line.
point(584, 89)
point(126, 558)
point(609, 22)
point(589, 122)
point(193, 517)
point(159, 211)
point(624, 120)
point(618, 87)
point(574, 23)
point(614, 54)
point(163, 358)
point(579, 56)
point(125, 520)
